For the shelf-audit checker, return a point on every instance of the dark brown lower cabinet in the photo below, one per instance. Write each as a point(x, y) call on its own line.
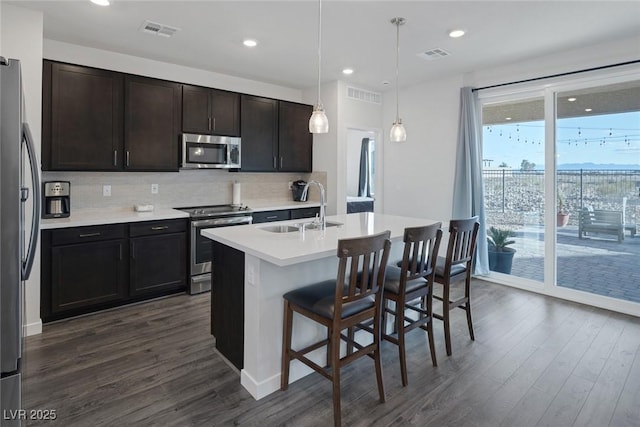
point(88, 274)
point(157, 263)
point(86, 269)
point(285, 214)
point(227, 303)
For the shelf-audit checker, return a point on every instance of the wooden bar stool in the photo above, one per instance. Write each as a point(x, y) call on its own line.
point(455, 268)
point(411, 281)
point(351, 301)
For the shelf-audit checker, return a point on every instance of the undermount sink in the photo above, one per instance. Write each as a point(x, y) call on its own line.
point(297, 227)
point(316, 226)
point(279, 228)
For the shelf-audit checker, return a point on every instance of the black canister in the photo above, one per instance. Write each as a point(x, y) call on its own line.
point(297, 189)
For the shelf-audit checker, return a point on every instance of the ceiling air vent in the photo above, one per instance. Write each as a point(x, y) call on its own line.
point(363, 95)
point(434, 53)
point(158, 29)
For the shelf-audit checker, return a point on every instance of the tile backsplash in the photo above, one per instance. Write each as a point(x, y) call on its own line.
point(184, 188)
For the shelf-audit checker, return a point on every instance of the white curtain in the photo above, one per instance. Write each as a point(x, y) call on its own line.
point(468, 191)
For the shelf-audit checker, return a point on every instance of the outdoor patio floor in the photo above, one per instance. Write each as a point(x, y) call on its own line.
point(597, 264)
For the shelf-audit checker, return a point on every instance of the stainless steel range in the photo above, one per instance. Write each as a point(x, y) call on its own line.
point(200, 255)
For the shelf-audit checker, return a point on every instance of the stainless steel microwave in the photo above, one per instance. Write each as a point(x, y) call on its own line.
point(210, 152)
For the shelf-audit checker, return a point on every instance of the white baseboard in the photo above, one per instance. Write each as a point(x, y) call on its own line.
point(34, 328)
point(272, 384)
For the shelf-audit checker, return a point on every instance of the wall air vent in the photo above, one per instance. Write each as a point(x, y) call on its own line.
point(158, 29)
point(434, 53)
point(363, 95)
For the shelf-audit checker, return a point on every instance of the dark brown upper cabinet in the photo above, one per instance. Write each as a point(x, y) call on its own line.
point(152, 115)
point(295, 142)
point(210, 111)
point(81, 118)
point(259, 121)
point(275, 136)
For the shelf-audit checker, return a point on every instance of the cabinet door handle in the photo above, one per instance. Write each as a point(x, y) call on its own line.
point(274, 162)
point(272, 217)
point(120, 248)
point(127, 157)
point(280, 162)
point(209, 124)
point(214, 123)
point(89, 235)
point(115, 157)
point(160, 227)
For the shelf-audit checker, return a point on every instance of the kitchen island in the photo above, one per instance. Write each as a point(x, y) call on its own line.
point(254, 265)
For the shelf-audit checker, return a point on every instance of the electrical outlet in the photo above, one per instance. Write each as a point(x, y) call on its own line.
point(251, 275)
point(290, 185)
point(154, 188)
point(106, 191)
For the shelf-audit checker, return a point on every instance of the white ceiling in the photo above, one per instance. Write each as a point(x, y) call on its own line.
point(356, 34)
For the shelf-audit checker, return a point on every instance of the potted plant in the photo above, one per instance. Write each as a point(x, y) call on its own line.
point(500, 256)
point(562, 217)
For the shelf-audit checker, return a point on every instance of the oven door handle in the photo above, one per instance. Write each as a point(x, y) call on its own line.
point(222, 221)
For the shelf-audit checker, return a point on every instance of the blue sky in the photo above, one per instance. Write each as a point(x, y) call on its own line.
point(604, 139)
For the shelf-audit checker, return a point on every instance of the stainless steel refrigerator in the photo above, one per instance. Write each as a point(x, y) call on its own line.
point(17, 245)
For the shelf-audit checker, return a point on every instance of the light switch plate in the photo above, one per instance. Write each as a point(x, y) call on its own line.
point(154, 188)
point(106, 191)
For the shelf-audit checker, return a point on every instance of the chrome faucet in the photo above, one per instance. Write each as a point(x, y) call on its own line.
point(323, 219)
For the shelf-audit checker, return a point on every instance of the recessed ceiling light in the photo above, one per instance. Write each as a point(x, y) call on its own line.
point(385, 82)
point(347, 71)
point(588, 109)
point(507, 118)
point(571, 99)
point(100, 2)
point(250, 43)
point(456, 33)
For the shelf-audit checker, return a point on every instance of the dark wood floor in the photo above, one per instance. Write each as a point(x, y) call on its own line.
point(536, 361)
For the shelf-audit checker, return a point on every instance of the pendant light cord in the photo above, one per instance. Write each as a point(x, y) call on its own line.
point(319, 46)
point(397, 66)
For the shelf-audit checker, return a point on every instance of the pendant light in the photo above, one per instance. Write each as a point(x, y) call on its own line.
point(318, 123)
point(398, 133)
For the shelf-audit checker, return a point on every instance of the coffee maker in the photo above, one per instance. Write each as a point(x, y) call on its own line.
point(297, 190)
point(57, 203)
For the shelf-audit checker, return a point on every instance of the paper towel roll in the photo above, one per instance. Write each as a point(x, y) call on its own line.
point(236, 194)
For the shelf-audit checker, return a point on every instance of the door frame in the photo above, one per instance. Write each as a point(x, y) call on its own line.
point(378, 181)
point(549, 90)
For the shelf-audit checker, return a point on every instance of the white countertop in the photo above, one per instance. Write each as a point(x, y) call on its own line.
point(285, 249)
point(86, 217)
point(81, 218)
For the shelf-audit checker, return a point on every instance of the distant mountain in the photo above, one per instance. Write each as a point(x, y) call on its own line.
point(605, 166)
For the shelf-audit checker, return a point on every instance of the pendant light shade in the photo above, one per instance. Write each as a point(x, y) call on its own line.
point(318, 123)
point(398, 132)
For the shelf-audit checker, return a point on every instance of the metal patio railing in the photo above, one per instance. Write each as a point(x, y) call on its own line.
point(519, 191)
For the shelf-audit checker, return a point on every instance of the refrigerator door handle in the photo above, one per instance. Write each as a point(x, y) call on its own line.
point(35, 221)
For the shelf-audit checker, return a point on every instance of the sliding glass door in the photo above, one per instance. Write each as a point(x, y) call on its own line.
point(562, 188)
point(513, 172)
point(598, 190)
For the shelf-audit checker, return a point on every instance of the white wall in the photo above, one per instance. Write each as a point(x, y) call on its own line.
point(418, 174)
point(99, 58)
point(355, 114)
point(1, 51)
point(21, 35)
point(330, 150)
point(578, 59)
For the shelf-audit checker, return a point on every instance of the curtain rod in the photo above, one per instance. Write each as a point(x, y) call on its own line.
point(603, 67)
